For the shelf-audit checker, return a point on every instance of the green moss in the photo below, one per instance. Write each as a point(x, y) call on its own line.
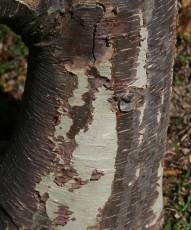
point(19, 50)
point(180, 217)
point(4, 30)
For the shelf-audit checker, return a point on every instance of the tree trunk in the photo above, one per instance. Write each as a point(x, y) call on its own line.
point(87, 150)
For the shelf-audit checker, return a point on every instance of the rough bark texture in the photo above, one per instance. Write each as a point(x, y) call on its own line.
point(87, 150)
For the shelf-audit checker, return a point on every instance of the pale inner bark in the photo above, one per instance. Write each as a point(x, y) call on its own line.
point(61, 130)
point(141, 76)
point(83, 84)
point(97, 149)
point(158, 204)
point(159, 115)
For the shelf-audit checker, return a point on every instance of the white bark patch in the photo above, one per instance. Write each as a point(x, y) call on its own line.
point(141, 135)
point(149, 6)
point(137, 174)
point(141, 76)
point(83, 84)
point(32, 4)
point(130, 183)
point(64, 126)
point(159, 114)
point(158, 204)
point(142, 110)
point(124, 50)
point(75, 100)
point(103, 69)
point(96, 150)
point(162, 99)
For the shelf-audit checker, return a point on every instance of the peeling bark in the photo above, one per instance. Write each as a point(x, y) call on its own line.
point(87, 150)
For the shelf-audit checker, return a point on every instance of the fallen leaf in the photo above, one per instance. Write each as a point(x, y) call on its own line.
point(189, 158)
point(171, 172)
point(184, 27)
point(186, 3)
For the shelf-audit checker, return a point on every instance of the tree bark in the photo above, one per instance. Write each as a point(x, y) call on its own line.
point(87, 150)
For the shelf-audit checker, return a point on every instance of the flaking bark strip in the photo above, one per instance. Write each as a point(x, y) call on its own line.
point(96, 175)
point(82, 118)
point(136, 198)
point(63, 216)
point(78, 183)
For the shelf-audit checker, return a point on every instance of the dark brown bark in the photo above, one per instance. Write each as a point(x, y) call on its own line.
point(64, 38)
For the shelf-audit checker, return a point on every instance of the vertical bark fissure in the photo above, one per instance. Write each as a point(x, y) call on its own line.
point(93, 42)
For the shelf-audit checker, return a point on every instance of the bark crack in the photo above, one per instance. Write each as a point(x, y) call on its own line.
point(102, 6)
point(94, 41)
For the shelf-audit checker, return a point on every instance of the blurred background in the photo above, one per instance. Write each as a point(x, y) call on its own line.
point(177, 159)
